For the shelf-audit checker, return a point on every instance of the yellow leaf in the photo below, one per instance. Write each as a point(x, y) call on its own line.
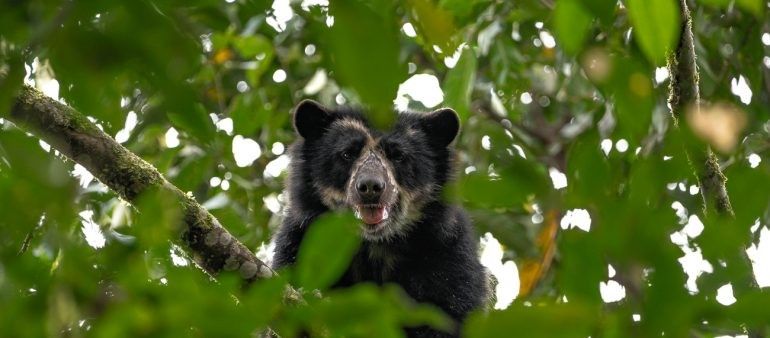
point(531, 271)
point(223, 55)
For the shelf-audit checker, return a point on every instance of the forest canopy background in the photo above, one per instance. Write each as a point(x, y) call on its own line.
point(618, 178)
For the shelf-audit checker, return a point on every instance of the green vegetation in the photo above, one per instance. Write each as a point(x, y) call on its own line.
point(649, 119)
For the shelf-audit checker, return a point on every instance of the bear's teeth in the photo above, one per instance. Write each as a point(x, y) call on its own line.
point(385, 214)
point(358, 213)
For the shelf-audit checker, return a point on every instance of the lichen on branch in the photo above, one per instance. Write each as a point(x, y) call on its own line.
point(684, 96)
point(71, 133)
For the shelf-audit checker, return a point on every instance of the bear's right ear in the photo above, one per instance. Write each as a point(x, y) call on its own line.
point(311, 119)
point(441, 126)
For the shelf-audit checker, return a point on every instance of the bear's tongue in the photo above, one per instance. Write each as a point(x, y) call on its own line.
point(372, 215)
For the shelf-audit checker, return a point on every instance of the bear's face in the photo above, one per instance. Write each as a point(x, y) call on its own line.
point(385, 178)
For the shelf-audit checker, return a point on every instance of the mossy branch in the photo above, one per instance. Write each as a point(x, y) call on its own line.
point(685, 95)
point(211, 246)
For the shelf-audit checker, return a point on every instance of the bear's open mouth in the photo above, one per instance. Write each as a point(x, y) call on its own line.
point(372, 214)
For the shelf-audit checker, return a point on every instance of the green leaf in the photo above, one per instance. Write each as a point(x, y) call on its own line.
point(718, 3)
point(11, 81)
point(491, 193)
point(458, 84)
point(588, 172)
point(434, 24)
point(757, 142)
point(193, 171)
point(194, 121)
point(326, 250)
point(536, 321)
point(33, 183)
point(220, 40)
point(571, 24)
point(741, 178)
point(602, 9)
point(160, 215)
point(364, 50)
point(582, 269)
point(247, 114)
point(133, 45)
point(656, 27)
point(632, 87)
point(750, 308)
point(261, 298)
point(368, 311)
point(513, 185)
point(753, 6)
point(462, 10)
point(251, 46)
point(255, 48)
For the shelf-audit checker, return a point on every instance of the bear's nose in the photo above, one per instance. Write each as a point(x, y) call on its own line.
point(370, 189)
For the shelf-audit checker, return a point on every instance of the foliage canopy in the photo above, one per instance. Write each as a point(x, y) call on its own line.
point(547, 91)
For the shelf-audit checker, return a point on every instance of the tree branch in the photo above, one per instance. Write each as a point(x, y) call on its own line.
point(684, 94)
point(211, 246)
point(546, 134)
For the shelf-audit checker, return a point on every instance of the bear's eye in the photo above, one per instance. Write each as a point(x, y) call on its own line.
point(396, 156)
point(347, 155)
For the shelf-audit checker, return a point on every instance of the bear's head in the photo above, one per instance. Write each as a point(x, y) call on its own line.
point(384, 177)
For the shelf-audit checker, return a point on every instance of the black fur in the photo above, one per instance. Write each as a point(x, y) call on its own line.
point(433, 256)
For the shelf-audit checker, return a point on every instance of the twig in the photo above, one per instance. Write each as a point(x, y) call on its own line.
point(28, 239)
point(525, 133)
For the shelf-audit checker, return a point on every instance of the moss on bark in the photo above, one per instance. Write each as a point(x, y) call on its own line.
point(685, 95)
point(72, 134)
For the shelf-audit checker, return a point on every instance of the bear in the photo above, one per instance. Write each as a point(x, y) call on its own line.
point(393, 181)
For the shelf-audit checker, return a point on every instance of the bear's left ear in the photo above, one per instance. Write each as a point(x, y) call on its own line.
point(311, 119)
point(441, 126)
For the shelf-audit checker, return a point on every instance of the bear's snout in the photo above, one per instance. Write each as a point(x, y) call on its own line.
point(369, 188)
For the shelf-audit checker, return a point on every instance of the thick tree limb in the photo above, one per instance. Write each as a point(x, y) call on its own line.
point(684, 95)
point(211, 246)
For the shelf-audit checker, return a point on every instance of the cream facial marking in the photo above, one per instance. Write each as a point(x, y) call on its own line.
point(332, 198)
point(373, 160)
point(397, 209)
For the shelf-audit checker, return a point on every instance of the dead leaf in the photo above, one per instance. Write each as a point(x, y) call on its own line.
point(721, 125)
point(531, 271)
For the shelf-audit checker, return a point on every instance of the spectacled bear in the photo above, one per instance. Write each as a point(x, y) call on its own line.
point(393, 181)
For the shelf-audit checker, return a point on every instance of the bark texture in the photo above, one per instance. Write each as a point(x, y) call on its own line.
point(685, 95)
point(211, 246)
